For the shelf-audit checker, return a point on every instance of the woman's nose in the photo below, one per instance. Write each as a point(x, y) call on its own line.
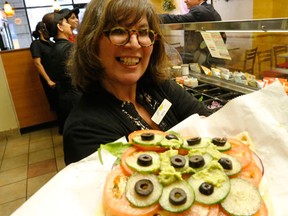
point(134, 40)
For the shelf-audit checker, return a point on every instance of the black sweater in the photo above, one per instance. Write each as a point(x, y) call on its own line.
point(100, 117)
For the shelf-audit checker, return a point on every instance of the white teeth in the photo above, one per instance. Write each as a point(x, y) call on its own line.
point(129, 61)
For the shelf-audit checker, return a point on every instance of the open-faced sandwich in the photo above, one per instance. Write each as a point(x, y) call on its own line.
point(164, 174)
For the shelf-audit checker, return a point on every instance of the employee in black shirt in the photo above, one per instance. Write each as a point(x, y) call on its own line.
point(68, 95)
point(40, 49)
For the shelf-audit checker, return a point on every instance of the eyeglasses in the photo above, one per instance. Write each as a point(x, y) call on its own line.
point(120, 36)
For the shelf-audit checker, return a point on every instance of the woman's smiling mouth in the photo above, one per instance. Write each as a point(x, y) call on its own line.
point(128, 60)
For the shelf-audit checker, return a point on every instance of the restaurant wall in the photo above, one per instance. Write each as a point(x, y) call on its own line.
point(30, 102)
point(8, 117)
point(234, 9)
point(270, 9)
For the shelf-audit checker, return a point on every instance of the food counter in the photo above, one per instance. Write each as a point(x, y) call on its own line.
point(216, 92)
point(219, 67)
point(77, 189)
point(263, 34)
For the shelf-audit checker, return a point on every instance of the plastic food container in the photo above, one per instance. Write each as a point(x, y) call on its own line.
point(204, 87)
point(217, 92)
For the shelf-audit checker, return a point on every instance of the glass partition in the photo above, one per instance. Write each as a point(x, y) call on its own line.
point(241, 36)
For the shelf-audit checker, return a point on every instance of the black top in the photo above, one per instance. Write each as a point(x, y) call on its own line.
point(41, 49)
point(199, 13)
point(56, 68)
point(100, 117)
point(68, 95)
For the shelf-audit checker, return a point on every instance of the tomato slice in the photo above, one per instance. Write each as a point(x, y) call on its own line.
point(139, 132)
point(115, 202)
point(149, 148)
point(240, 151)
point(125, 168)
point(146, 148)
point(251, 173)
point(222, 212)
point(197, 209)
point(182, 151)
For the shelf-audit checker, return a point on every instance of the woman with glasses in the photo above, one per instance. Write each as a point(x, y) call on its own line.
point(40, 49)
point(120, 65)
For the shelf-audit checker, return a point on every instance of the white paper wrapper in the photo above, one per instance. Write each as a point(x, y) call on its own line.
point(264, 115)
point(77, 189)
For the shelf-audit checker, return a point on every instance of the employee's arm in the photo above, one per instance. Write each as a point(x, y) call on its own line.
point(42, 72)
point(172, 18)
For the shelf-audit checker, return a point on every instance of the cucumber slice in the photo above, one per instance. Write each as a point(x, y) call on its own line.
point(236, 165)
point(207, 159)
point(203, 143)
point(143, 201)
point(172, 143)
point(131, 161)
point(225, 147)
point(164, 199)
point(155, 142)
point(244, 198)
point(217, 196)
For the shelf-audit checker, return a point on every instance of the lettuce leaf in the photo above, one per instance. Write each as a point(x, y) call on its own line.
point(114, 148)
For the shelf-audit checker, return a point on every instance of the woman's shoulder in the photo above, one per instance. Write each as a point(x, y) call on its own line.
point(35, 43)
point(169, 83)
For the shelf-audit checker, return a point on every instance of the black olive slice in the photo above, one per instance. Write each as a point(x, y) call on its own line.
point(178, 161)
point(177, 196)
point(206, 188)
point(196, 161)
point(219, 141)
point(226, 163)
point(144, 160)
point(144, 187)
point(147, 136)
point(171, 136)
point(193, 141)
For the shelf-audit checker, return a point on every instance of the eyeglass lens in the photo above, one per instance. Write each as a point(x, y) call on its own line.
point(121, 36)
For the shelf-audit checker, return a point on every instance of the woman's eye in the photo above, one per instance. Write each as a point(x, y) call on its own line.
point(143, 32)
point(118, 32)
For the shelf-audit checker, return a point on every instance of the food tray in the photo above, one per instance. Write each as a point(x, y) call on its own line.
point(204, 87)
point(230, 96)
point(211, 106)
point(217, 92)
point(203, 96)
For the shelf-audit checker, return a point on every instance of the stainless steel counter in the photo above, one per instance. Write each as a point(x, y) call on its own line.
point(245, 89)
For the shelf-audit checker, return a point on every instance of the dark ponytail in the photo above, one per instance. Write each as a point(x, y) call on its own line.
point(40, 26)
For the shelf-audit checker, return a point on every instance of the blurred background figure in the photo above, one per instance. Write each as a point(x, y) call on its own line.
point(73, 20)
point(195, 49)
point(60, 30)
point(40, 49)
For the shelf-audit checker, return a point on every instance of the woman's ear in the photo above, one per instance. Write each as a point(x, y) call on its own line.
point(59, 27)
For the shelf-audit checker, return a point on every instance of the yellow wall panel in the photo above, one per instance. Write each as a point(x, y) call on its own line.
point(270, 9)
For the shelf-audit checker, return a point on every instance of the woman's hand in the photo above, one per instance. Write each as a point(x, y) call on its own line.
point(51, 84)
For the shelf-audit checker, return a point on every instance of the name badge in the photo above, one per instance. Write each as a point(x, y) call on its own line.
point(161, 111)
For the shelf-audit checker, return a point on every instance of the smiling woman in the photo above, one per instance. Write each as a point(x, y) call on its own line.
point(120, 65)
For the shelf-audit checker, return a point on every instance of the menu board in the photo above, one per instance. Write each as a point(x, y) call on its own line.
point(216, 45)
